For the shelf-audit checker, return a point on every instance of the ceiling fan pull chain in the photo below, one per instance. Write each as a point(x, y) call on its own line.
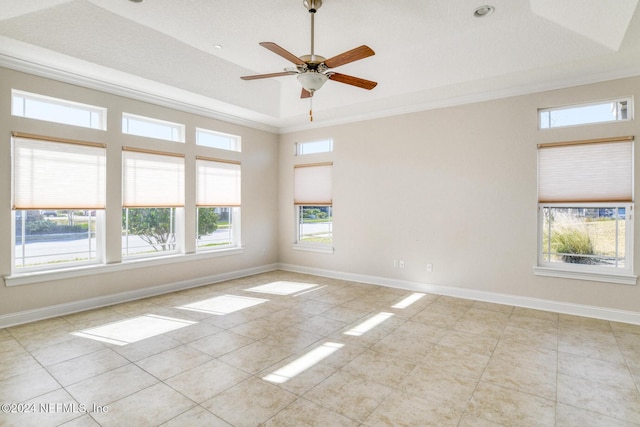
point(311, 108)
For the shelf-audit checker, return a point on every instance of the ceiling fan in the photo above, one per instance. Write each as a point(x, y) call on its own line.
point(313, 70)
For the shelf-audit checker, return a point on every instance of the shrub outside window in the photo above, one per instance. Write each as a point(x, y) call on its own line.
point(217, 228)
point(148, 231)
point(586, 236)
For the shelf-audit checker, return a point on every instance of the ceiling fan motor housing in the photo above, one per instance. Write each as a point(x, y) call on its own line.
point(312, 5)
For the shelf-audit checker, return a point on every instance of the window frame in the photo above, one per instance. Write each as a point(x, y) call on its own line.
point(299, 147)
point(235, 230)
point(235, 145)
point(99, 258)
point(582, 268)
point(178, 128)
point(101, 112)
point(629, 100)
point(33, 188)
point(312, 187)
point(311, 246)
point(621, 275)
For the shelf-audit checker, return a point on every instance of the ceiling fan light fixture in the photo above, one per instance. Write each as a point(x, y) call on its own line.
point(311, 80)
point(312, 5)
point(483, 11)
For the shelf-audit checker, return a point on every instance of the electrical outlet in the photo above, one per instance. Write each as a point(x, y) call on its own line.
point(430, 268)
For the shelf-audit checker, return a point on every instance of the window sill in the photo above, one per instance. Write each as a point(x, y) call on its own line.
point(622, 279)
point(313, 248)
point(87, 270)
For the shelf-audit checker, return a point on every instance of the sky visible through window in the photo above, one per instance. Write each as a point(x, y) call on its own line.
point(584, 114)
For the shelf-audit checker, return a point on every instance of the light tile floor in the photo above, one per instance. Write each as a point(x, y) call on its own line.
point(335, 353)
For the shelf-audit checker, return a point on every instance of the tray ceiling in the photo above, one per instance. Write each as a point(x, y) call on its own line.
point(428, 53)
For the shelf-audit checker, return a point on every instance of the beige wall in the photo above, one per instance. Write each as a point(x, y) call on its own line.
point(454, 187)
point(259, 195)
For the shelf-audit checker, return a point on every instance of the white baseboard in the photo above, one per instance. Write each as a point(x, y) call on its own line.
point(27, 316)
point(604, 313)
point(465, 293)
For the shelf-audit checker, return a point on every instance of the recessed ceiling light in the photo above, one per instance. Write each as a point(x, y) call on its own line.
point(217, 46)
point(136, 1)
point(483, 11)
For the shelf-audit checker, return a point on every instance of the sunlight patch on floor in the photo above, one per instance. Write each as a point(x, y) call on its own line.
point(368, 324)
point(303, 363)
point(283, 288)
point(222, 305)
point(406, 302)
point(132, 330)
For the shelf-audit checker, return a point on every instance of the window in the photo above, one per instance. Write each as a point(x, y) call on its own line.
point(597, 112)
point(313, 147)
point(59, 193)
point(153, 198)
point(585, 196)
point(218, 196)
point(40, 107)
point(209, 138)
point(152, 128)
point(313, 203)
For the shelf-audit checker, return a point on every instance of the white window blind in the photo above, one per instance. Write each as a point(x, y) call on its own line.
point(58, 174)
point(152, 179)
point(217, 182)
point(312, 184)
point(586, 171)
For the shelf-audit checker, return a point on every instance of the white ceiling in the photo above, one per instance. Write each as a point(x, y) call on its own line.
point(429, 53)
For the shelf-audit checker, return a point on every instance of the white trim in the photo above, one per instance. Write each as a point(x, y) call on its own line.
point(312, 248)
point(144, 91)
point(604, 313)
point(15, 58)
point(67, 273)
point(27, 316)
point(623, 279)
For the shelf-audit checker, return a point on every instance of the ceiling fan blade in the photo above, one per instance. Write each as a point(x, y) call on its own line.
point(349, 56)
point(282, 52)
point(305, 94)
point(266, 76)
point(353, 81)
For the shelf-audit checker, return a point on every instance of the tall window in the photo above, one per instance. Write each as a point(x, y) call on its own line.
point(218, 203)
point(313, 201)
point(59, 193)
point(153, 202)
point(585, 196)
